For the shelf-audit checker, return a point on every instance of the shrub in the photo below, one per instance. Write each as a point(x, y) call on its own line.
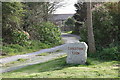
point(12, 14)
point(106, 34)
point(83, 34)
point(47, 32)
point(70, 22)
point(19, 37)
point(111, 53)
point(103, 26)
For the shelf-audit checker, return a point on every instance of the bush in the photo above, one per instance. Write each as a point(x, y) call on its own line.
point(107, 54)
point(83, 34)
point(104, 28)
point(106, 34)
point(70, 22)
point(47, 32)
point(105, 31)
point(19, 37)
point(12, 14)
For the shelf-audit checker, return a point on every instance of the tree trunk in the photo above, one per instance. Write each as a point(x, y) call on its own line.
point(91, 41)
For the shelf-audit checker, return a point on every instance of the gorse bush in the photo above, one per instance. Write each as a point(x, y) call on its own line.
point(47, 32)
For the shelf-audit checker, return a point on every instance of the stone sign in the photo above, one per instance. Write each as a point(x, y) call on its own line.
point(76, 52)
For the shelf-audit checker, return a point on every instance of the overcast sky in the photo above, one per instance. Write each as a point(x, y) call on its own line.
point(68, 9)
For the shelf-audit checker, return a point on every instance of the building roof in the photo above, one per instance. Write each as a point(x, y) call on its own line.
point(57, 17)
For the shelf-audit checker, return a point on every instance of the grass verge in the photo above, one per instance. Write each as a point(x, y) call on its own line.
point(14, 62)
point(16, 49)
point(43, 54)
point(57, 68)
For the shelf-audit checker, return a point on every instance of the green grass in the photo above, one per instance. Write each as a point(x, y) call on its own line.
point(31, 46)
point(14, 62)
point(58, 68)
point(43, 54)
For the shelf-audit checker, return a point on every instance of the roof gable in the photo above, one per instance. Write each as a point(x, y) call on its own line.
point(61, 16)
